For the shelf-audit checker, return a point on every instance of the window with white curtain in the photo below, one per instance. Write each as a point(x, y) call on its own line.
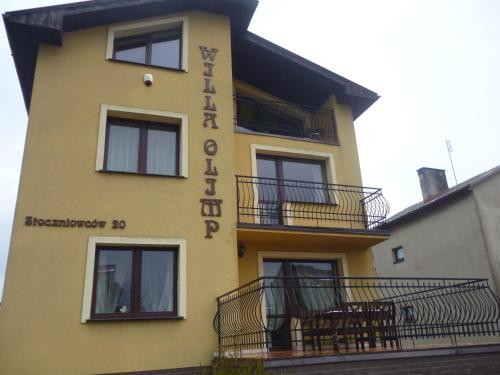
point(142, 147)
point(135, 283)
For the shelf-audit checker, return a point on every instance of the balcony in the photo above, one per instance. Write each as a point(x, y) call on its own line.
point(277, 203)
point(324, 315)
point(285, 119)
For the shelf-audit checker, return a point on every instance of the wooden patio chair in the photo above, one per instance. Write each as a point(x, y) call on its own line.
point(318, 328)
point(354, 325)
point(383, 323)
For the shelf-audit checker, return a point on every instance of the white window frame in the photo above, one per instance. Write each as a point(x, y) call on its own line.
point(138, 28)
point(170, 118)
point(94, 242)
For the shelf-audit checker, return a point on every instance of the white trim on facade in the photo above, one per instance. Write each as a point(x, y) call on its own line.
point(174, 118)
point(137, 28)
point(94, 241)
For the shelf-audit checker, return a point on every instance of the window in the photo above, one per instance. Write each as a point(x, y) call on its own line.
point(408, 314)
point(141, 147)
point(161, 43)
point(398, 254)
point(283, 180)
point(161, 48)
point(134, 283)
point(144, 279)
point(305, 178)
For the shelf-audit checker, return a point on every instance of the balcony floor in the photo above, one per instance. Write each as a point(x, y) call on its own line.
point(299, 235)
point(352, 353)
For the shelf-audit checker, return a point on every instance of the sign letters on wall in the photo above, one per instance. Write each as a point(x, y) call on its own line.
point(33, 221)
point(211, 207)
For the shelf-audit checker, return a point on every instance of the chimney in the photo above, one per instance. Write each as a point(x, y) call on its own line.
point(432, 183)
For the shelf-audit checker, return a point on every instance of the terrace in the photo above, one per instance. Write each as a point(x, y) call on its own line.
point(303, 316)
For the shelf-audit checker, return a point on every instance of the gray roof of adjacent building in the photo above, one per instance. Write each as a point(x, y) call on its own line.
point(424, 207)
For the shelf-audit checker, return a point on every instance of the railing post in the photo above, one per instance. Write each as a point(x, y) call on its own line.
point(219, 338)
point(238, 199)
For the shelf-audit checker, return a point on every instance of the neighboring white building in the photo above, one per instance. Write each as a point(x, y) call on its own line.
point(453, 232)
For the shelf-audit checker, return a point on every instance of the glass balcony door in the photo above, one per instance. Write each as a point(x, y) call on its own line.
point(296, 288)
point(282, 180)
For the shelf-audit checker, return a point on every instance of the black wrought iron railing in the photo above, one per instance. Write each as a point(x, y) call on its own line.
point(306, 313)
point(269, 201)
point(285, 119)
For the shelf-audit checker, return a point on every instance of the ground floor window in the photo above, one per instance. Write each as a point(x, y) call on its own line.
point(135, 282)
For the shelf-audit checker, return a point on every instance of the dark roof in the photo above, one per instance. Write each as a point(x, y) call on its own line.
point(457, 190)
point(255, 60)
point(262, 64)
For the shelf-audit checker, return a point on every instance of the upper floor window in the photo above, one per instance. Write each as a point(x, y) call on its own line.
point(284, 168)
point(141, 147)
point(282, 180)
point(159, 49)
point(160, 43)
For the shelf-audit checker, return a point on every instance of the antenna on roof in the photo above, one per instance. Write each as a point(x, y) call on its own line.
point(450, 150)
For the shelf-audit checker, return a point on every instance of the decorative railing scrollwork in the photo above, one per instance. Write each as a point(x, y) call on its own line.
point(273, 313)
point(270, 201)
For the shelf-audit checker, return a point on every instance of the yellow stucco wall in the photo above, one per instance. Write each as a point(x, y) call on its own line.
point(40, 324)
point(40, 328)
point(358, 262)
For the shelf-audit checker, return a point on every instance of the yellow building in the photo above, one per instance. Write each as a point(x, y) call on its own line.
point(172, 156)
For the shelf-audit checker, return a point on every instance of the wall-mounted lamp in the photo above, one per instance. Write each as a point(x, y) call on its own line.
point(241, 250)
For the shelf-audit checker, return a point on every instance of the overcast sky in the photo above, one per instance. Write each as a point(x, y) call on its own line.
point(435, 63)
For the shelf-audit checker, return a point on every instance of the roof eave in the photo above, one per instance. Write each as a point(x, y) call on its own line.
point(346, 91)
point(26, 29)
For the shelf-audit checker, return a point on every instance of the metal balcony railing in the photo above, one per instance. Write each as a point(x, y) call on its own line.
point(285, 119)
point(342, 314)
point(268, 201)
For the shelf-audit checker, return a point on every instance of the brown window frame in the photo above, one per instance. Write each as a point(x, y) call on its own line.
point(281, 190)
point(287, 264)
point(142, 156)
point(148, 42)
point(279, 165)
point(135, 292)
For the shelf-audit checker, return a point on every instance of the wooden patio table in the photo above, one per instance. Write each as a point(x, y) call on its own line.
point(353, 318)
